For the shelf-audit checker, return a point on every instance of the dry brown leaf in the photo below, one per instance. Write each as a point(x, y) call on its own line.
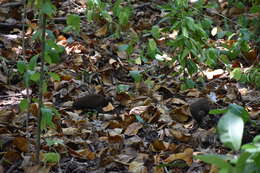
point(180, 114)
point(21, 143)
point(34, 109)
point(138, 110)
point(123, 98)
point(133, 129)
point(158, 145)
point(6, 116)
point(137, 167)
point(180, 135)
point(70, 131)
point(108, 108)
point(186, 156)
point(12, 156)
point(101, 31)
point(87, 154)
point(193, 93)
point(115, 139)
point(178, 101)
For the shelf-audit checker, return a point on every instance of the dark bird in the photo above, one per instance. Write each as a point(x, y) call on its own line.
point(200, 109)
point(91, 101)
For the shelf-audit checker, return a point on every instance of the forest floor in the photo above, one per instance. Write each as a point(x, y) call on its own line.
point(145, 126)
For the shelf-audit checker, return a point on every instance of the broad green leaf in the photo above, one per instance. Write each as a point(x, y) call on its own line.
point(190, 23)
point(35, 77)
point(46, 121)
point(239, 111)
point(47, 58)
point(33, 62)
point(136, 75)
point(21, 66)
point(219, 161)
point(184, 31)
point(230, 128)
point(51, 157)
point(155, 32)
point(45, 87)
point(54, 76)
point(51, 142)
point(241, 162)
point(124, 16)
point(106, 15)
point(24, 104)
point(192, 67)
point(123, 47)
point(138, 61)
point(149, 83)
point(152, 48)
point(236, 74)
point(48, 8)
point(27, 77)
point(74, 21)
point(122, 88)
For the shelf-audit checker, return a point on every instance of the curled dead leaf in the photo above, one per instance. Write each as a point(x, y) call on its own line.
point(186, 156)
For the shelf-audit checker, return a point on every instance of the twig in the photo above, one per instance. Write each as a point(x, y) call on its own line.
point(12, 4)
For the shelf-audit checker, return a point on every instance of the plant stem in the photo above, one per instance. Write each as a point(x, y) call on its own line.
point(41, 82)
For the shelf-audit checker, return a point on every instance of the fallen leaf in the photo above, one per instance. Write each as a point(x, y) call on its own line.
point(186, 156)
point(133, 129)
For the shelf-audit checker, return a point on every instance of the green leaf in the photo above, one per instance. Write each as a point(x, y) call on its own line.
point(217, 160)
point(236, 74)
point(51, 142)
point(54, 76)
point(45, 87)
point(138, 61)
point(255, 9)
point(184, 31)
point(46, 118)
point(73, 20)
point(230, 128)
point(123, 47)
point(217, 111)
point(51, 157)
point(182, 58)
point(33, 62)
point(241, 162)
point(192, 67)
point(155, 32)
point(24, 104)
point(21, 66)
point(35, 77)
point(27, 77)
point(239, 111)
point(152, 48)
point(48, 8)
point(122, 88)
point(47, 58)
point(136, 75)
point(139, 119)
point(106, 15)
point(124, 16)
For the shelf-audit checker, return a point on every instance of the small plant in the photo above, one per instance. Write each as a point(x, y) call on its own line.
point(189, 43)
point(37, 74)
point(230, 129)
point(116, 15)
point(251, 75)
